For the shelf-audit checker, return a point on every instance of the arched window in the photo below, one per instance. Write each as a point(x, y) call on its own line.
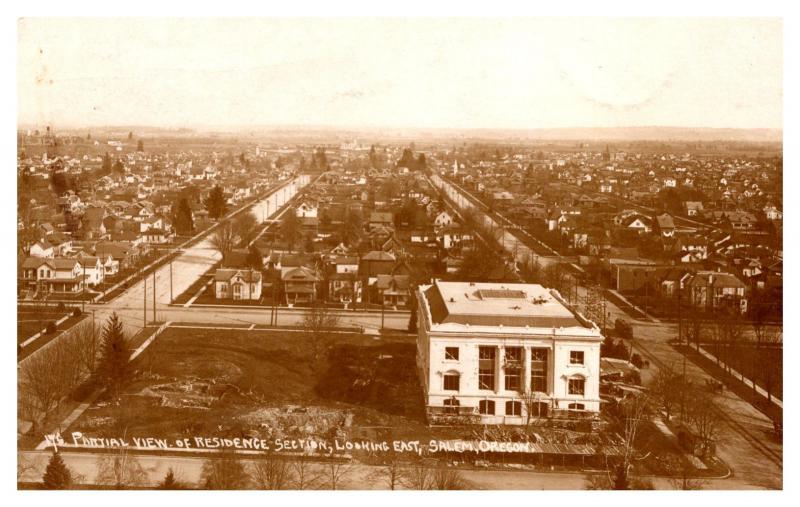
point(452, 381)
point(577, 385)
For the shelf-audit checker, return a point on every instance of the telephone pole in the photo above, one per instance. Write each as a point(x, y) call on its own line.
point(154, 295)
point(144, 304)
point(170, 280)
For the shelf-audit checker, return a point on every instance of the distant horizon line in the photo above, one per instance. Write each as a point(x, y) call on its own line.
point(211, 127)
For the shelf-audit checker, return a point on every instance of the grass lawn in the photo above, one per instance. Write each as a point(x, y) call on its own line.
point(31, 322)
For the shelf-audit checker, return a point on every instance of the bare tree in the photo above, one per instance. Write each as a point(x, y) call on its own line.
point(305, 476)
point(693, 328)
point(392, 472)
point(448, 479)
point(244, 228)
point(272, 472)
point(336, 472)
point(85, 339)
point(46, 377)
point(317, 325)
point(25, 465)
point(628, 417)
point(224, 239)
point(682, 474)
point(533, 404)
point(226, 471)
point(772, 337)
point(667, 389)
point(121, 470)
point(419, 476)
point(704, 420)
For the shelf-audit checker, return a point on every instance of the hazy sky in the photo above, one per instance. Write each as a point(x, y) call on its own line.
point(463, 73)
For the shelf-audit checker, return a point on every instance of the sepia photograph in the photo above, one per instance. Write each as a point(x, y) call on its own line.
point(399, 253)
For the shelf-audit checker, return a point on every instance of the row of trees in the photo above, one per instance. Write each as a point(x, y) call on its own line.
point(726, 337)
point(230, 471)
point(47, 377)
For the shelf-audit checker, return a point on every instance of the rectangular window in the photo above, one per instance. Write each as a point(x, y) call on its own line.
point(575, 357)
point(539, 370)
point(451, 353)
point(513, 368)
point(451, 381)
point(576, 406)
point(486, 367)
point(486, 407)
point(576, 386)
point(451, 406)
point(513, 408)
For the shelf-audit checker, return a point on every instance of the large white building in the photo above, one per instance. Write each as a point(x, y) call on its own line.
point(488, 351)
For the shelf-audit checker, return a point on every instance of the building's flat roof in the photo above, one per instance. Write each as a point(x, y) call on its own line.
point(499, 307)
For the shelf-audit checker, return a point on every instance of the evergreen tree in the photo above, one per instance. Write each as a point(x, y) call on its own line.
point(118, 168)
point(56, 475)
point(106, 163)
point(290, 229)
point(130, 135)
point(182, 217)
point(215, 203)
point(170, 482)
point(422, 162)
point(139, 145)
point(407, 159)
point(114, 368)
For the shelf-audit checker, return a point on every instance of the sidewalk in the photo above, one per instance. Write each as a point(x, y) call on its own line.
point(749, 383)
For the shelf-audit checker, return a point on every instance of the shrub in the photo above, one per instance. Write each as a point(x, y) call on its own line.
point(76, 312)
point(636, 359)
point(51, 328)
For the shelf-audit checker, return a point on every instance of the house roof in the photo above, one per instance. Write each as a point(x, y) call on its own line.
point(300, 274)
point(378, 255)
point(665, 221)
point(397, 283)
point(247, 276)
point(713, 279)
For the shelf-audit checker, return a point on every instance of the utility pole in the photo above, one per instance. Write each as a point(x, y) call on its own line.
point(144, 303)
point(83, 286)
point(170, 280)
point(383, 307)
point(154, 295)
point(680, 320)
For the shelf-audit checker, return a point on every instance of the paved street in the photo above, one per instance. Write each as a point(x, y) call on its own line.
point(186, 269)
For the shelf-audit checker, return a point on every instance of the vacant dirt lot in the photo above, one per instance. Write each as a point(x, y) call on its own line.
point(266, 384)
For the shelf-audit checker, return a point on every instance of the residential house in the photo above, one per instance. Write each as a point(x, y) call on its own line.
point(237, 284)
point(300, 285)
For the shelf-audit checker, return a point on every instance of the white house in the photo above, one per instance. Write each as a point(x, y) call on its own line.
point(443, 219)
point(306, 210)
point(237, 284)
point(484, 349)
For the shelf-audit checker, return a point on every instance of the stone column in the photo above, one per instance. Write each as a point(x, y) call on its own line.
point(526, 369)
point(498, 369)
